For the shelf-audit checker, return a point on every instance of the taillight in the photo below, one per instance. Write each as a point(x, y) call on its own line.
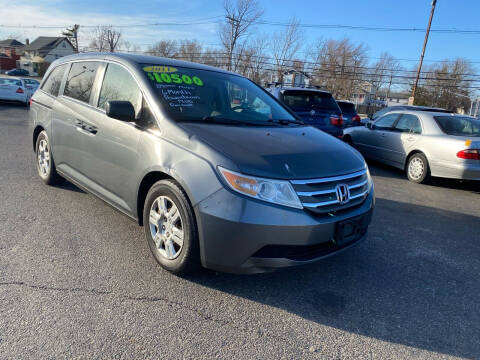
point(19, 91)
point(30, 102)
point(356, 118)
point(336, 120)
point(469, 154)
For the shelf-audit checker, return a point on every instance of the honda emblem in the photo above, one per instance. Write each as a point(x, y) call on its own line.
point(343, 193)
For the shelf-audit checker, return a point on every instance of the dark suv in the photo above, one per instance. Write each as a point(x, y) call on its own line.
point(315, 107)
point(217, 171)
point(349, 113)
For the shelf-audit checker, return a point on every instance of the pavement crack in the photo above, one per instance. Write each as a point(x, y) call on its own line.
point(51, 288)
point(171, 303)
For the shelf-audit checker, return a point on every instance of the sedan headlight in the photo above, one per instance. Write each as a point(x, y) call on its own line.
point(273, 191)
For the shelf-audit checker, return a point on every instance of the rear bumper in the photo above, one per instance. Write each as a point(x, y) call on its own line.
point(465, 170)
point(240, 235)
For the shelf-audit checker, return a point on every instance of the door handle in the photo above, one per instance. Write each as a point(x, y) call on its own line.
point(82, 125)
point(90, 128)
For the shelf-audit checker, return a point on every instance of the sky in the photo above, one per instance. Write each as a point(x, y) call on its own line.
point(449, 14)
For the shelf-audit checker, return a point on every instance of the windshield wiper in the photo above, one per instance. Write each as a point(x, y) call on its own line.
point(286, 122)
point(220, 120)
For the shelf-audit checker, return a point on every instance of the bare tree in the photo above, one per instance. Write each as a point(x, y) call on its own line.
point(285, 46)
point(164, 48)
point(189, 50)
point(446, 84)
point(338, 65)
point(105, 38)
point(384, 72)
point(72, 35)
point(240, 15)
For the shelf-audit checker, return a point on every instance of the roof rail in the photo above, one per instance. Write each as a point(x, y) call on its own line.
point(280, 84)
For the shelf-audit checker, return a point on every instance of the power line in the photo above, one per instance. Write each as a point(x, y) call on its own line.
point(265, 22)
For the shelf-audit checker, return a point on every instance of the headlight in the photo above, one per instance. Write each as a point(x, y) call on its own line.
point(369, 178)
point(274, 191)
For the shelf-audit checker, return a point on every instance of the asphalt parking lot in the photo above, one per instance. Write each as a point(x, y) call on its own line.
point(77, 280)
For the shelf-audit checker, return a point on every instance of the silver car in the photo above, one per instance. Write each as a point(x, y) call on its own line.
point(422, 143)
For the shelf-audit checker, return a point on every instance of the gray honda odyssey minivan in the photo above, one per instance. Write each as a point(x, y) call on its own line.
point(218, 172)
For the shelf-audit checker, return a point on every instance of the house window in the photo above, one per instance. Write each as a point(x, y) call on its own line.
point(63, 45)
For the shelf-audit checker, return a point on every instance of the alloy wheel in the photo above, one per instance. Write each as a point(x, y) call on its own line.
point(166, 227)
point(43, 155)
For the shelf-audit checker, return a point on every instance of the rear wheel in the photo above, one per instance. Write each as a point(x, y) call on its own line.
point(45, 164)
point(170, 228)
point(417, 168)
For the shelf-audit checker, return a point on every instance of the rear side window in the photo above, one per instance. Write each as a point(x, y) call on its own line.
point(409, 123)
point(80, 80)
point(118, 84)
point(54, 80)
point(14, 82)
point(300, 99)
point(458, 125)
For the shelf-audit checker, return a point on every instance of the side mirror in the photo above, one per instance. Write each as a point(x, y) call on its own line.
point(369, 125)
point(120, 110)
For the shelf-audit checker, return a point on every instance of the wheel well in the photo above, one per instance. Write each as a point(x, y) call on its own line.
point(147, 182)
point(37, 131)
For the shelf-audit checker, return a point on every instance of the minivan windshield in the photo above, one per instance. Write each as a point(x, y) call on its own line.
point(458, 125)
point(299, 100)
point(195, 95)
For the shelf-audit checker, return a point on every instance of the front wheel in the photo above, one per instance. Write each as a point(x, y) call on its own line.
point(417, 168)
point(45, 164)
point(170, 228)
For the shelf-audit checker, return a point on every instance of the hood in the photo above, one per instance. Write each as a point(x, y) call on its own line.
point(279, 152)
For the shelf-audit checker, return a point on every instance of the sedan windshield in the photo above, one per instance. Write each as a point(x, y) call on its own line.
point(196, 95)
point(458, 125)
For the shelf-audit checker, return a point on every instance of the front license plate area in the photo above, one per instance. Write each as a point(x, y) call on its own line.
point(350, 230)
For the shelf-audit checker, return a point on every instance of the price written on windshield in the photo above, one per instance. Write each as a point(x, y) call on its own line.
point(164, 78)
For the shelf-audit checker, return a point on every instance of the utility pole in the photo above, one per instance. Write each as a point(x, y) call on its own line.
point(389, 86)
point(432, 11)
point(232, 21)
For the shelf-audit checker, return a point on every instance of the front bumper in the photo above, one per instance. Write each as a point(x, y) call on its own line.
point(242, 235)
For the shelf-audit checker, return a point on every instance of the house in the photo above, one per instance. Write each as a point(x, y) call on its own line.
point(10, 50)
point(364, 93)
point(44, 50)
point(296, 78)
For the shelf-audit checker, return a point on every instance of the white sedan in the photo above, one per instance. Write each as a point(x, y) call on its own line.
point(14, 89)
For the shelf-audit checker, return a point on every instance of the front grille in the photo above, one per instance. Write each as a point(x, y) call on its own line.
point(320, 195)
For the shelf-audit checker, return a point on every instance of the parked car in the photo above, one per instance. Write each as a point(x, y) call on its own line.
point(315, 107)
point(17, 72)
point(388, 109)
point(349, 113)
point(235, 187)
point(14, 89)
point(422, 143)
point(31, 84)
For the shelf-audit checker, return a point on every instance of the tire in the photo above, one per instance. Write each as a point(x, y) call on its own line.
point(163, 227)
point(417, 169)
point(45, 164)
point(348, 140)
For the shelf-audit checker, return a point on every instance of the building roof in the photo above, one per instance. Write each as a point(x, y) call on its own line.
point(43, 44)
point(10, 43)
